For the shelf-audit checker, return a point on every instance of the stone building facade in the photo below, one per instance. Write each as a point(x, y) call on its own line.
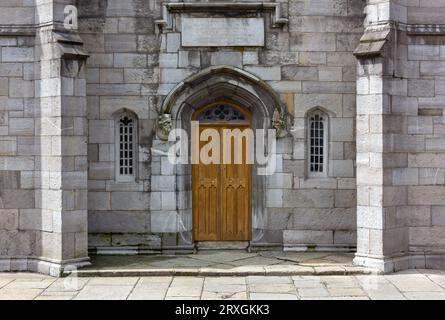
point(369, 73)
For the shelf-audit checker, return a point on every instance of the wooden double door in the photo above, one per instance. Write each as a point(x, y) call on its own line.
point(222, 192)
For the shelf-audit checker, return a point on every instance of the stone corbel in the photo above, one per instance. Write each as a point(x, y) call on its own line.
point(278, 20)
point(279, 124)
point(166, 20)
point(372, 42)
point(164, 126)
point(70, 46)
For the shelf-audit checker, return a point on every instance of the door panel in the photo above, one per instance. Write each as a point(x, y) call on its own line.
point(222, 197)
point(235, 196)
point(206, 191)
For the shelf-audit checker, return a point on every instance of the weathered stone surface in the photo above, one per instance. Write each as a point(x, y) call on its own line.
point(426, 195)
point(9, 219)
point(384, 120)
point(134, 239)
point(220, 32)
point(307, 237)
point(15, 54)
point(308, 198)
point(227, 58)
point(130, 201)
point(322, 219)
point(119, 221)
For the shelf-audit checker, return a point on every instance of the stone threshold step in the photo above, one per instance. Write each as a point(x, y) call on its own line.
point(213, 272)
point(222, 245)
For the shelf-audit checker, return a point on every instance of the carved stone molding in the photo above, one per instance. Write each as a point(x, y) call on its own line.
point(272, 8)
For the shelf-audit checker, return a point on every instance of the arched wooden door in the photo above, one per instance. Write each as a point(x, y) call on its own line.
point(222, 191)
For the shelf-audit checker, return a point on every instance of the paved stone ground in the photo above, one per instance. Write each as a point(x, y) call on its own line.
point(228, 262)
point(411, 284)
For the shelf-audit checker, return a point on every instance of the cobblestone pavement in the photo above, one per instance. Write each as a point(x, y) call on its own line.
point(411, 284)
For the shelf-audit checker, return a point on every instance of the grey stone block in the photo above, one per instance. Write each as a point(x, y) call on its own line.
point(120, 43)
point(265, 73)
point(19, 88)
point(164, 221)
point(230, 58)
point(21, 126)
point(438, 216)
point(421, 88)
point(345, 198)
point(274, 198)
point(174, 75)
point(127, 221)
point(136, 239)
point(169, 60)
point(310, 237)
point(99, 200)
point(308, 198)
point(16, 54)
point(9, 219)
point(130, 60)
point(189, 59)
point(130, 201)
point(8, 148)
point(173, 42)
point(296, 72)
point(163, 183)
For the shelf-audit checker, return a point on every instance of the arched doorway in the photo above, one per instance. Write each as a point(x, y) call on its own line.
point(222, 183)
point(211, 85)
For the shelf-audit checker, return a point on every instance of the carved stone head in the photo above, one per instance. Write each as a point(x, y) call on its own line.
point(279, 124)
point(164, 126)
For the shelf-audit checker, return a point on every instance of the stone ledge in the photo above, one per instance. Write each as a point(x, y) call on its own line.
point(17, 30)
point(238, 272)
point(222, 7)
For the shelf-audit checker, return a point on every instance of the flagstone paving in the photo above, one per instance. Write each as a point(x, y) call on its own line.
point(229, 262)
point(410, 284)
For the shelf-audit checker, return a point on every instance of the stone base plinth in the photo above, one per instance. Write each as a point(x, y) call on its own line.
point(394, 264)
point(41, 265)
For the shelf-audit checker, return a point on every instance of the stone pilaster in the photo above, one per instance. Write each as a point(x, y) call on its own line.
point(61, 132)
point(382, 237)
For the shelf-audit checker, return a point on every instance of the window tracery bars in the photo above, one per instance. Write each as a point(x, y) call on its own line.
point(317, 143)
point(221, 112)
point(126, 146)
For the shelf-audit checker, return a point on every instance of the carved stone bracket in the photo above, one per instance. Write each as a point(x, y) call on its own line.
point(275, 9)
point(372, 42)
point(164, 126)
point(279, 124)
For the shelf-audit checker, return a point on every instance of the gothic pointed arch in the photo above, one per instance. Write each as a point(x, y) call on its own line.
point(228, 83)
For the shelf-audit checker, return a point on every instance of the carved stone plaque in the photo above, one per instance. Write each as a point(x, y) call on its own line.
point(222, 32)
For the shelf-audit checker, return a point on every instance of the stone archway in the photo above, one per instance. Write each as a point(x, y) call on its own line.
point(207, 86)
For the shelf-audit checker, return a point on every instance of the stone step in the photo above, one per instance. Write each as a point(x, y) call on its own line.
point(221, 272)
point(222, 245)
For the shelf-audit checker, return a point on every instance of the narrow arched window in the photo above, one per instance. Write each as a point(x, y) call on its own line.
point(318, 140)
point(125, 148)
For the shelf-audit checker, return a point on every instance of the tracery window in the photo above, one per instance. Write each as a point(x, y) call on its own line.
point(318, 139)
point(221, 112)
point(125, 148)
